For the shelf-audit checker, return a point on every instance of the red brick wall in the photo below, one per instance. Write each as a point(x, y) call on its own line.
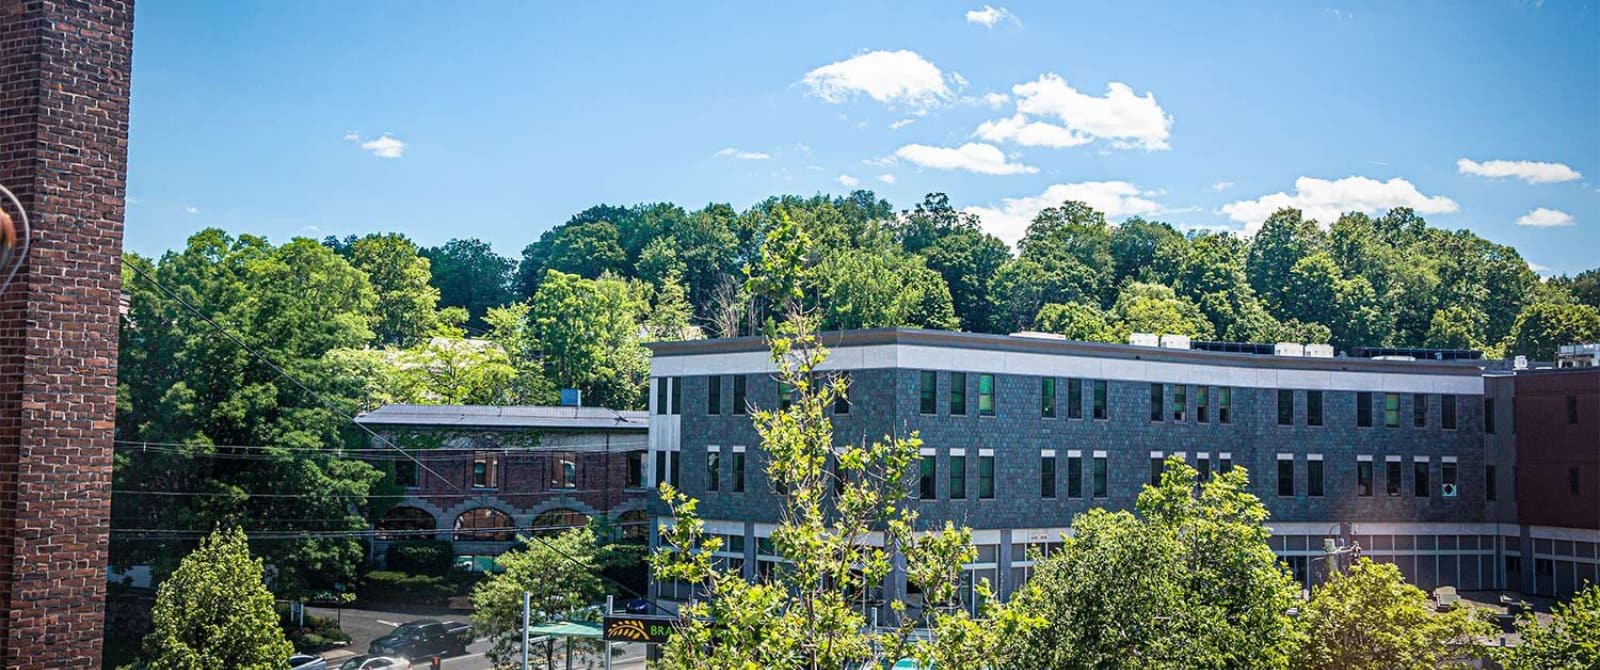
point(64, 74)
point(1549, 446)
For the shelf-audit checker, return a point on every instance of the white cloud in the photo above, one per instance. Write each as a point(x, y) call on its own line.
point(385, 147)
point(989, 16)
point(1537, 268)
point(1222, 186)
point(1338, 14)
point(1116, 199)
point(996, 100)
point(848, 181)
point(1121, 117)
point(1325, 200)
point(901, 124)
point(886, 178)
point(191, 210)
point(972, 157)
point(886, 161)
point(1029, 133)
point(352, 136)
point(732, 152)
point(1546, 218)
point(1529, 171)
point(886, 76)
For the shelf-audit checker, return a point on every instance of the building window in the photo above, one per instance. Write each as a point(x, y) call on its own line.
point(677, 396)
point(483, 525)
point(1225, 405)
point(1490, 488)
point(1488, 416)
point(841, 402)
point(1155, 468)
point(1419, 477)
point(1572, 409)
point(1047, 397)
point(1285, 407)
point(713, 468)
point(1572, 480)
point(661, 467)
point(1202, 467)
point(1157, 393)
point(1314, 477)
point(661, 394)
point(985, 476)
point(485, 466)
point(1202, 404)
point(1285, 475)
point(1224, 462)
point(927, 468)
point(405, 523)
point(1074, 399)
point(1313, 408)
point(1363, 409)
point(1419, 410)
point(1364, 479)
point(928, 392)
point(1099, 399)
point(1047, 475)
point(675, 464)
point(786, 394)
point(714, 395)
point(1074, 476)
point(564, 470)
point(737, 467)
point(738, 395)
point(985, 395)
point(1099, 475)
point(1391, 478)
point(958, 394)
point(635, 470)
point(405, 473)
point(1447, 478)
point(1180, 402)
point(1391, 410)
point(958, 476)
point(1447, 412)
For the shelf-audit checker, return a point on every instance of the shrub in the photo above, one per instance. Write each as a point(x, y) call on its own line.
point(422, 557)
point(392, 586)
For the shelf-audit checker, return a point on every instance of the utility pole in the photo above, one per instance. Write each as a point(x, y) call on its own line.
point(527, 602)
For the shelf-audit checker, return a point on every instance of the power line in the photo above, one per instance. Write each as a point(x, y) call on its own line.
point(270, 534)
point(465, 496)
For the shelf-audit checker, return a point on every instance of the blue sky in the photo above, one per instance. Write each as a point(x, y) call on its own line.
point(500, 120)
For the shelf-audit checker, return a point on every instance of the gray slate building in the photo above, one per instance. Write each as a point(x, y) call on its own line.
point(1022, 433)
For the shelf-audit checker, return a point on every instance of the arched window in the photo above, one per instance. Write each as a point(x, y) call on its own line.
point(403, 522)
point(557, 521)
point(484, 525)
point(635, 525)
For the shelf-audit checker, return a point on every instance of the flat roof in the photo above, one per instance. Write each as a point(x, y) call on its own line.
point(510, 416)
point(1042, 345)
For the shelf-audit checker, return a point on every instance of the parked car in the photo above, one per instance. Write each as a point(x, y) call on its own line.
point(307, 662)
point(374, 663)
point(422, 639)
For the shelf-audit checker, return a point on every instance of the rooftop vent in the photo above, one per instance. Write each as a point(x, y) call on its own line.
point(1288, 349)
point(1319, 350)
point(1039, 335)
point(1144, 340)
point(1174, 341)
point(1519, 363)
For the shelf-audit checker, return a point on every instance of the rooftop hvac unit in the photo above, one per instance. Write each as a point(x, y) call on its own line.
point(1288, 349)
point(1319, 350)
point(1174, 341)
point(1144, 340)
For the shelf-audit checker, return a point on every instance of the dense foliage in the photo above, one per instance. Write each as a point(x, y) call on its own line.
point(1569, 641)
point(560, 572)
point(215, 612)
point(1371, 618)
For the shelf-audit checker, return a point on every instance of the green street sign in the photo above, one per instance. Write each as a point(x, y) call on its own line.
point(639, 628)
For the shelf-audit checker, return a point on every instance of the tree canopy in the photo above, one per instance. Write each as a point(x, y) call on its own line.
point(215, 612)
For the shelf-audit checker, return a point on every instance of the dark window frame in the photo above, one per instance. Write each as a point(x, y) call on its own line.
point(1047, 397)
point(958, 394)
point(986, 397)
point(713, 395)
point(928, 393)
point(1286, 407)
point(1314, 408)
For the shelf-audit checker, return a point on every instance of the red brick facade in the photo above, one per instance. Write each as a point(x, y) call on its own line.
point(1558, 448)
point(65, 67)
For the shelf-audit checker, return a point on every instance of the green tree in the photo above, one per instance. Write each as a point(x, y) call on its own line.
point(560, 573)
point(586, 249)
point(1140, 251)
point(1188, 582)
point(1065, 257)
point(469, 274)
point(587, 332)
point(671, 314)
point(1585, 288)
point(1284, 239)
point(1371, 618)
point(1455, 327)
point(1153, 308)
point(862, 289)
point(215, 612)
point(1077, 321)
point(400, 281)
point(956, 247)
point(1542, 327)
point(806, 614)
point(1570, 641)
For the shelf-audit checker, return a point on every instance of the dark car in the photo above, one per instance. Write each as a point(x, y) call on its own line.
point(422, 639)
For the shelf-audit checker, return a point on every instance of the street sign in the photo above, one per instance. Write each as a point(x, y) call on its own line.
point(639, 628)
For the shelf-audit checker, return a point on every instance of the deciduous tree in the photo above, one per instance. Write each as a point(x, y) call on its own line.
point(1372, 619)
point(1570, 641)
point(560, 573)
point(215, 612)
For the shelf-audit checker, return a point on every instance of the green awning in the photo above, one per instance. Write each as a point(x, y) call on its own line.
point(579, 629)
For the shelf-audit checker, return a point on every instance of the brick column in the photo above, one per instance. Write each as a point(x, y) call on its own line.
point(64, 72)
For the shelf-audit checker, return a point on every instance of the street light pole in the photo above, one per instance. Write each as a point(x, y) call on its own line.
point(527, 602)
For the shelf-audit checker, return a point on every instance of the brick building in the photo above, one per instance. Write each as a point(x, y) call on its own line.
point(483, 474)
point(1022, 433)
point(65, 68)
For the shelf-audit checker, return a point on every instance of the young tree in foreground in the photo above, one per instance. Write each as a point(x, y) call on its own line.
point(1571, 641)
point(807, 613)
point(560, 573)
point(1189, 582)
point(1371, 618)
point(215, 612)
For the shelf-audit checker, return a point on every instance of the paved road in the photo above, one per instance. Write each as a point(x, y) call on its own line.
point(364, 626)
